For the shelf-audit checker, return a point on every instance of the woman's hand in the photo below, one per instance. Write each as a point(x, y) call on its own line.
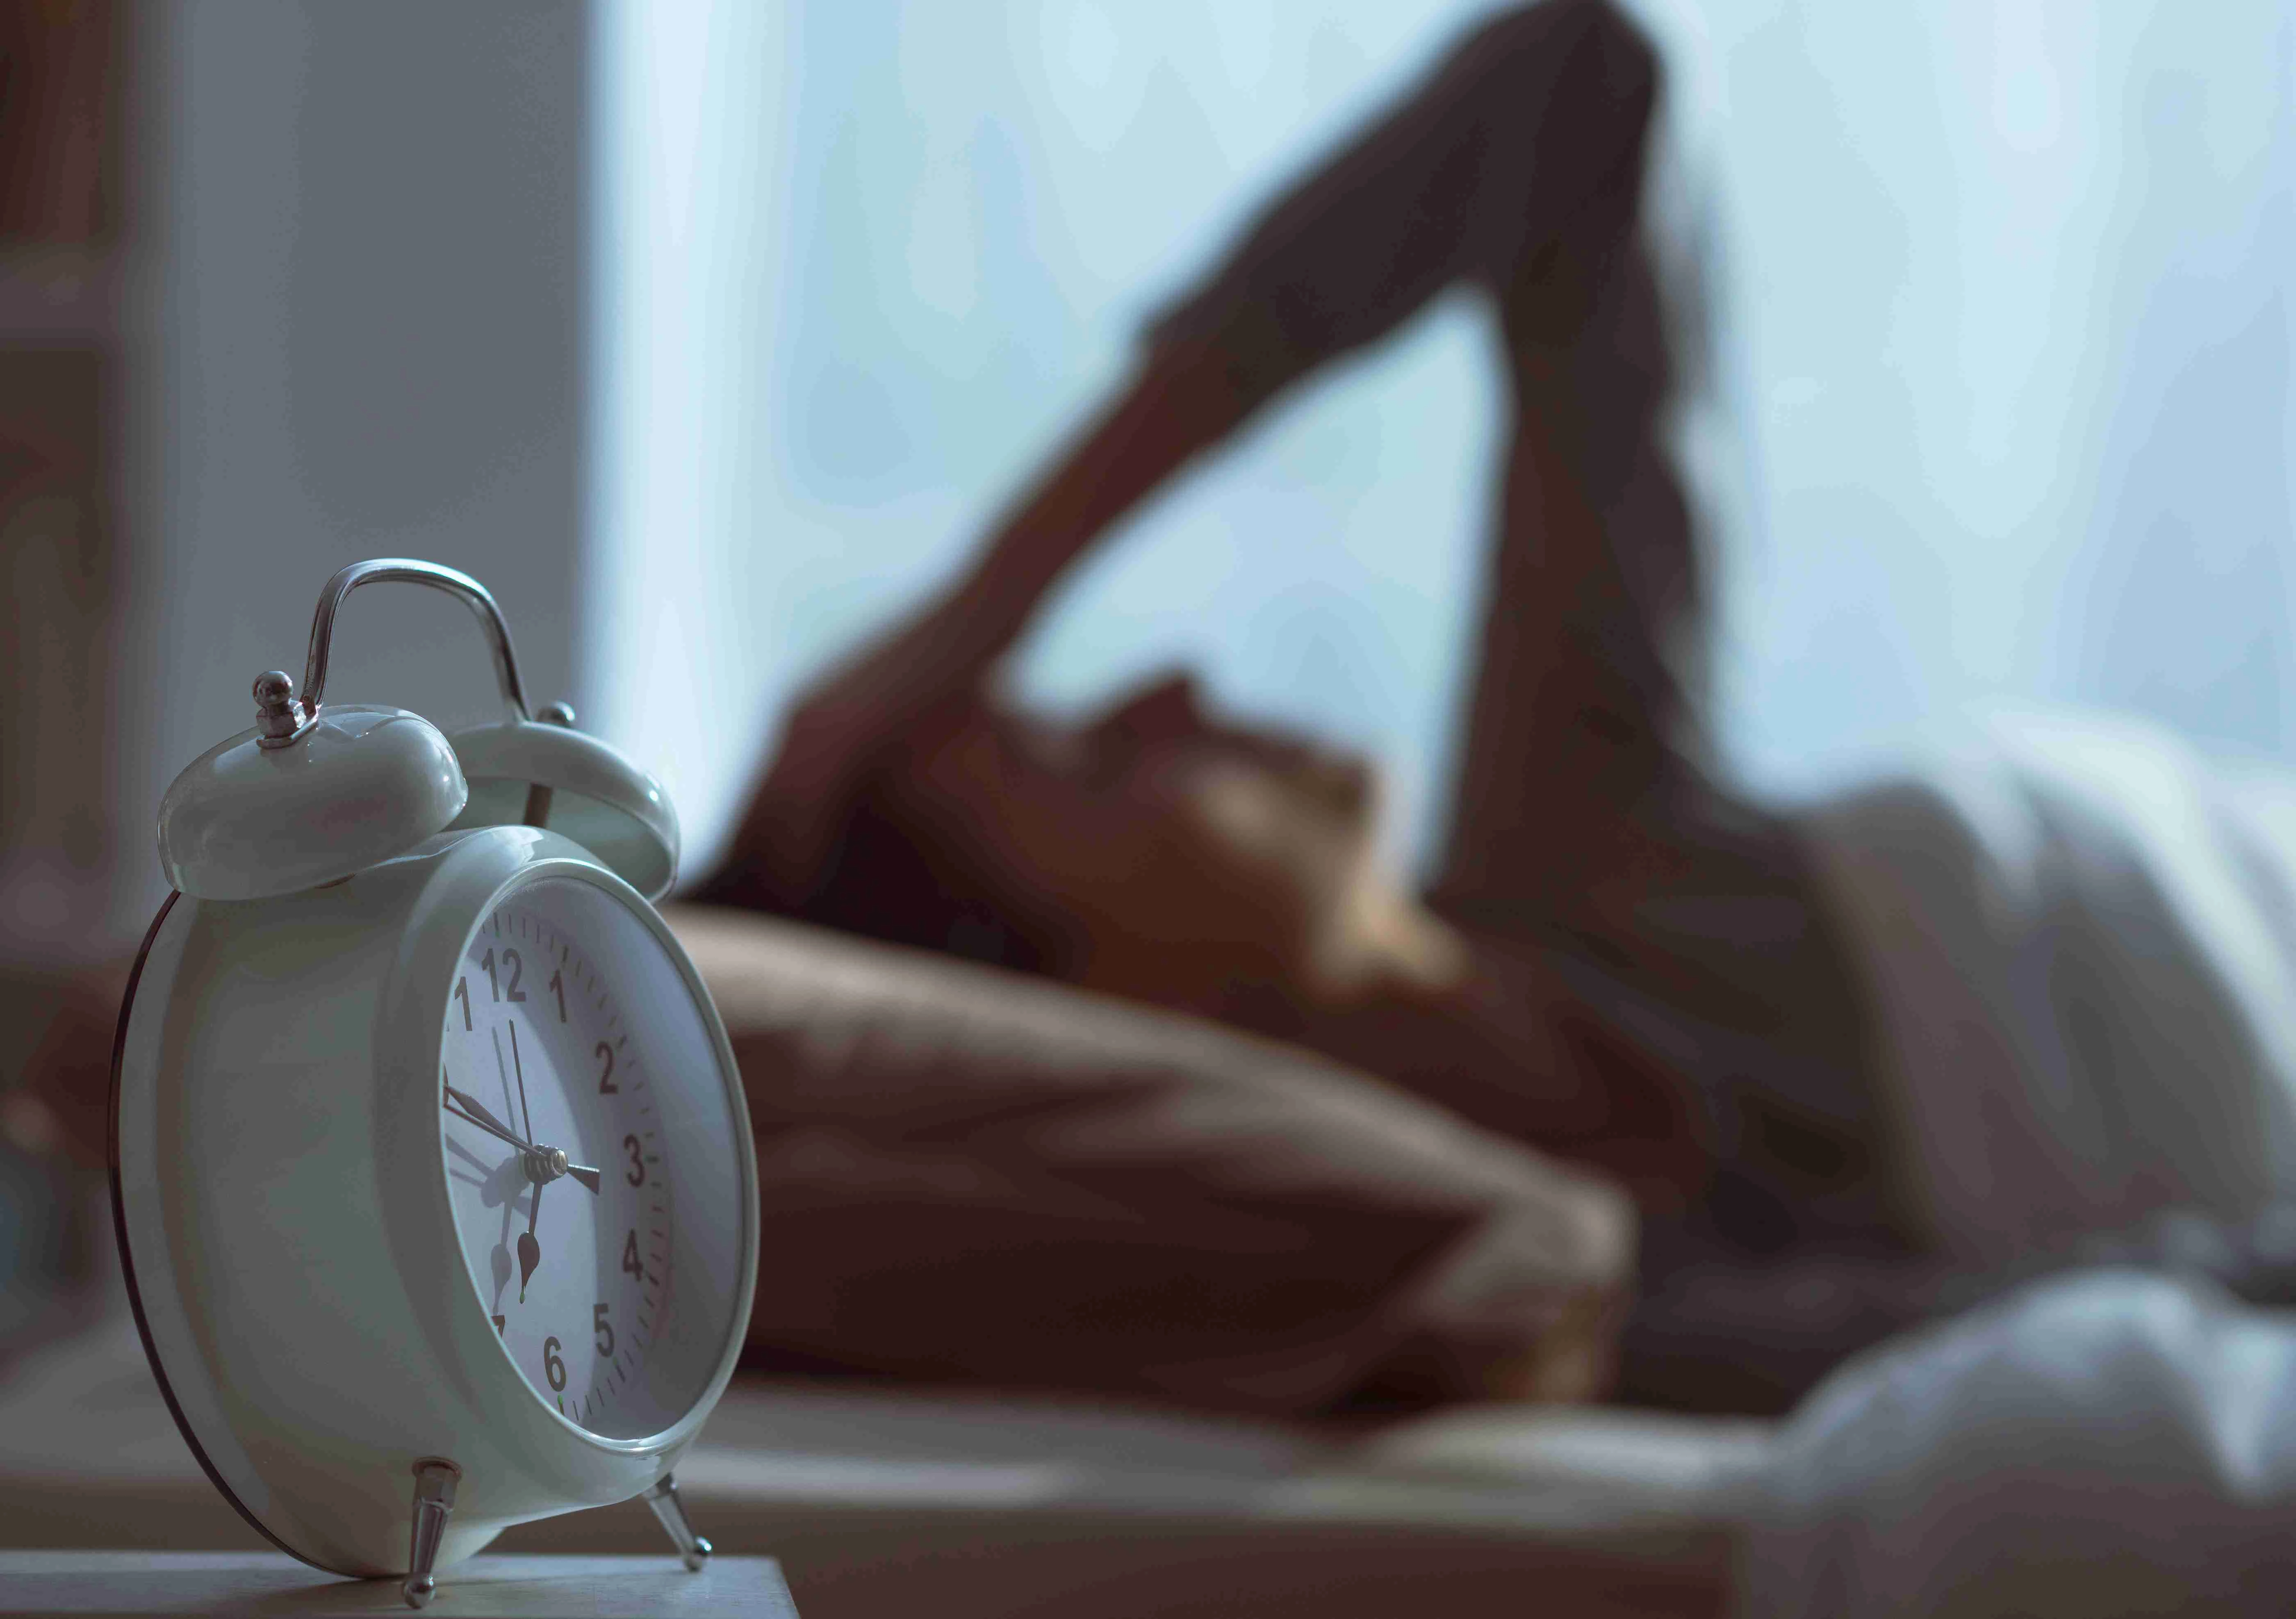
point(865, 714)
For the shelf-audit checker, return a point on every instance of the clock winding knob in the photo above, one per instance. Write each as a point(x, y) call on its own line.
point(279, 714)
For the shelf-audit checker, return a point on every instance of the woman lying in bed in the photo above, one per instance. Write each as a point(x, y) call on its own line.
point(1848, 1066)
point(1621, 964)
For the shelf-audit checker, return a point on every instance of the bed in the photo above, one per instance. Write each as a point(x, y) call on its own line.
point(891, 1502)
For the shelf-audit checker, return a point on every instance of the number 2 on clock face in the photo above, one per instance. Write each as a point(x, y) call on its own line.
point(573, 1268)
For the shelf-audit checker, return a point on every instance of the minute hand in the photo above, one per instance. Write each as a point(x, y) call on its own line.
point(471, 1111)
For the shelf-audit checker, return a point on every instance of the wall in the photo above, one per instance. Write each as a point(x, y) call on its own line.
point(355, 328)
point(2009, 321)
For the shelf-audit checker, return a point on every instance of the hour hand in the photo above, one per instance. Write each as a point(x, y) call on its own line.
point(479, 1115)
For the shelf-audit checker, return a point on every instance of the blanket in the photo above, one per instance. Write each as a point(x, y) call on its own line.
point(2080, 938)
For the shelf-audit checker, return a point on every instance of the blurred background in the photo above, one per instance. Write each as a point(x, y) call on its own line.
point(710, 334)
point(707, 334)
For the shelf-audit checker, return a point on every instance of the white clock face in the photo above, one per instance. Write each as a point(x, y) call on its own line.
point(590, 1158)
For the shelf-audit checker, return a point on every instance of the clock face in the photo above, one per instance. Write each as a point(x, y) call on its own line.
point(590, 1156)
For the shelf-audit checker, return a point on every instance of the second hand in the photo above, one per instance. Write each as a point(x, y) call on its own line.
point(519, 1069)
point(529, 1252)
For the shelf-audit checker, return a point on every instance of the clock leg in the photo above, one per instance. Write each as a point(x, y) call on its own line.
point(663, 1498)
point(435, 1478)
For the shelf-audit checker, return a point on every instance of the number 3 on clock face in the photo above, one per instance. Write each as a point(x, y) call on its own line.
point(588, 1157)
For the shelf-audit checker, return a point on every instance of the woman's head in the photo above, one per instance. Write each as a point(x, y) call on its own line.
point(1164, 854)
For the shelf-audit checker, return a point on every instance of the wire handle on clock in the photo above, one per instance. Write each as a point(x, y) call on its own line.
point(284, 717)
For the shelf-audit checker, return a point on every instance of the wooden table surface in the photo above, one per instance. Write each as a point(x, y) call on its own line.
point(131, 1585)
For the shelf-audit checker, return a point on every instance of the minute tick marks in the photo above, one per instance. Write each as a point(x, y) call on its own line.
point(577, 1297)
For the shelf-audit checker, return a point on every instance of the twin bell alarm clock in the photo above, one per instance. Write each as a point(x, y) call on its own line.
point(430, 1167)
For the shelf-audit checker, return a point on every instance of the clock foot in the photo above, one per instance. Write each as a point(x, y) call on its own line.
point(435, 1478)
point(663, 1498)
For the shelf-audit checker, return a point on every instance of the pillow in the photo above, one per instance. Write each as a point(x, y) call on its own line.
point(972, 1177)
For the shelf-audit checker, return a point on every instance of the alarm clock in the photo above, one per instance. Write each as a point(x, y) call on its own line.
point(432, 1171)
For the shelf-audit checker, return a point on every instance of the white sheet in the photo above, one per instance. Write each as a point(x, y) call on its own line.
point(2107, 1442)
point(2082, 941)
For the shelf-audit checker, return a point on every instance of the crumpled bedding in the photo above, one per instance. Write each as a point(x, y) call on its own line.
point(2080, 939)
point(2107, 1442)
